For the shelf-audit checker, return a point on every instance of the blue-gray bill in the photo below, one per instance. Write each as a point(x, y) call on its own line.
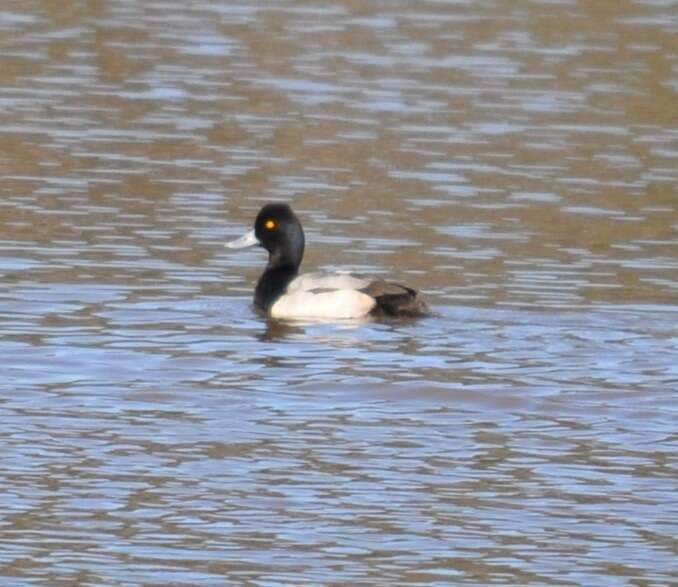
point(246, 240)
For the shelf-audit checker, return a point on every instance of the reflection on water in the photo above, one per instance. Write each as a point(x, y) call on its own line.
point(517, 164)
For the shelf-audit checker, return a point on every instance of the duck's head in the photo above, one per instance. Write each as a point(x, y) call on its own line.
point(279, 231)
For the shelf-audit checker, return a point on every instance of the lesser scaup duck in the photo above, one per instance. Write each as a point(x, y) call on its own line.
point(282, 293)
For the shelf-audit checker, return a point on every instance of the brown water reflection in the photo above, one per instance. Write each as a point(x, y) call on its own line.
point(517, 162)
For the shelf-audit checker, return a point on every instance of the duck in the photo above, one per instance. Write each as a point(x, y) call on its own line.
point(282, 293)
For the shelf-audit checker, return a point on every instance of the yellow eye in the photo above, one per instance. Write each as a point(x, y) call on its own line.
point(269, 224)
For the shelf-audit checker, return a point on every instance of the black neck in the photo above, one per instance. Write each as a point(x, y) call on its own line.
point(272, 284)
point(285, 251)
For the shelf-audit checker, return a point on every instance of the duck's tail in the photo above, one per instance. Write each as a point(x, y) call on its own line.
point(395, 300)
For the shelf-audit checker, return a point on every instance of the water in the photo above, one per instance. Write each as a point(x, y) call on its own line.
point(515, 163)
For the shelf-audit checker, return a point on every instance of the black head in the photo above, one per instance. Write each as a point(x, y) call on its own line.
point(279, 231)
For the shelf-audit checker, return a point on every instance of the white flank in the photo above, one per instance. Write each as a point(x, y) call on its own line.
point(340, 303)
point(318, 280)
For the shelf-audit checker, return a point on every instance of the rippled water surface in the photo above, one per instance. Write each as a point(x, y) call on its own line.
point(517, 162)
